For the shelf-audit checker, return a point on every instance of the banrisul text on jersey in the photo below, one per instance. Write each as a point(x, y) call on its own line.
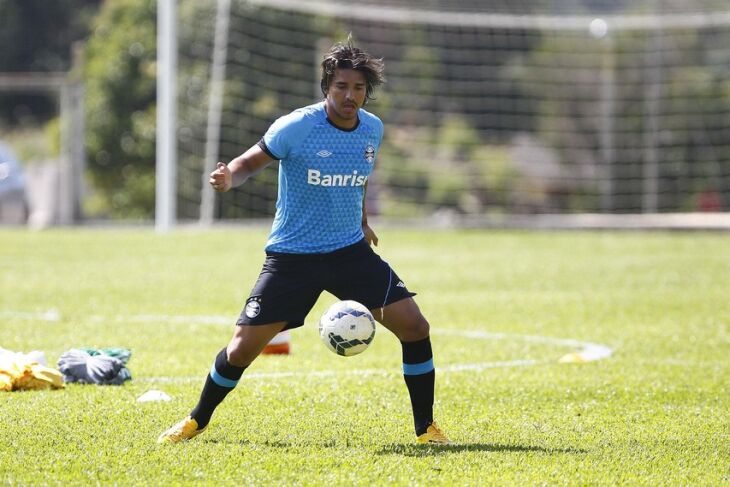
point(316, 178)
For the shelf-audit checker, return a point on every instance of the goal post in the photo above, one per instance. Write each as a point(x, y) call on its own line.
point(496, 114)
point(166, 150)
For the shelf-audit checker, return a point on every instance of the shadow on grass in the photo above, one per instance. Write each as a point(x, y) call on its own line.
point(276, 443)
point(411, 449)
point(414, 450)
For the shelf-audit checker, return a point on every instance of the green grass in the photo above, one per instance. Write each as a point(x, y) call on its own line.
point(655, 413)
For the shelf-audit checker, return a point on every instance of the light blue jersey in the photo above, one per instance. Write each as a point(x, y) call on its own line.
point(322, 179)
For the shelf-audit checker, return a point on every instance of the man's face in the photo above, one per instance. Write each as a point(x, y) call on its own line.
point(345, 96)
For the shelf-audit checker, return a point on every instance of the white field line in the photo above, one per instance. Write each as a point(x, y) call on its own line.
point(582, 351)
point(49, 315)
point(338, 373)
point(191, 319)
point(55, 315)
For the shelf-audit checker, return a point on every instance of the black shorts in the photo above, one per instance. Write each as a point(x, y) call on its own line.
point(290, 284)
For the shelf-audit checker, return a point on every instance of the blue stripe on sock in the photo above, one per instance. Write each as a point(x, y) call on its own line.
point(418, 369)
point(220, 380)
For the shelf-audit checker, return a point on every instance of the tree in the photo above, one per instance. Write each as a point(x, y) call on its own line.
point(689, 73)
point(120, 78)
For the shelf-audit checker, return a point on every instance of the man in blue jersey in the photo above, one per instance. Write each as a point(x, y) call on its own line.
point(320, 239)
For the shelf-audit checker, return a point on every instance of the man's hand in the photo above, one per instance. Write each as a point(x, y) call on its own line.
point(370, 236)
point(221, 179)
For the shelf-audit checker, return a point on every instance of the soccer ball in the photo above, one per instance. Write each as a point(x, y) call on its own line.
point(347, 328)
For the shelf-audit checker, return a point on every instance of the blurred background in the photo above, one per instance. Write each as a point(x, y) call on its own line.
point(544, 112)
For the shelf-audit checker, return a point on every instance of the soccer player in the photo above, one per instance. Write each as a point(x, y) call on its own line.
point(320, 239)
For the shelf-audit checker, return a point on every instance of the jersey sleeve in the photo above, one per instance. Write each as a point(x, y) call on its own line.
point(285, 134)
point(380, 133)
point(376, 127)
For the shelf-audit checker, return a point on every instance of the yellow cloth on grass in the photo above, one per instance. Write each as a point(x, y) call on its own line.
point(18, 372)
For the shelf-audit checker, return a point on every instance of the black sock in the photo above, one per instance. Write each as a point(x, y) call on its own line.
point(221, 380)
point(420, 375)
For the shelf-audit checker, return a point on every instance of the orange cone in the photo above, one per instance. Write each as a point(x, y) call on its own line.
point(279, 345)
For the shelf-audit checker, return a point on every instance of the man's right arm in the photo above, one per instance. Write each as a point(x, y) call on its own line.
point(236, 172)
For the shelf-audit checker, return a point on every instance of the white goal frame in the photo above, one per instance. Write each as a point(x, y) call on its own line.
point(166, 156)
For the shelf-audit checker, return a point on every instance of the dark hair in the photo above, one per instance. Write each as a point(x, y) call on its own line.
point(346, 56)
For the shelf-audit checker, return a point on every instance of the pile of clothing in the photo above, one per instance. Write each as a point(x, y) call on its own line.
point(19, 371)
point(106, 366)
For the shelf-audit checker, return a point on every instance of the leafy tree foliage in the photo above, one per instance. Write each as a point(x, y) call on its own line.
point(690, 150)
point(120, 102)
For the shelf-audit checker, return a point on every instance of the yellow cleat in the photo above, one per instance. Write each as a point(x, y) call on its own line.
point(433, 436)
point(182, 431)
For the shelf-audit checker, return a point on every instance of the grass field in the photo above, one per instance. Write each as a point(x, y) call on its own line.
point(504, 308)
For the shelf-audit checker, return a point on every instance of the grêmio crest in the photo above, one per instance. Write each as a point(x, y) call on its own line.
point(370, 154)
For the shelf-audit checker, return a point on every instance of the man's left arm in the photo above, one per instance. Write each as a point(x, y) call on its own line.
point(370, 236)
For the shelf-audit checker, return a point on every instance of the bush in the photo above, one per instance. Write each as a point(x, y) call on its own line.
point(120, 107)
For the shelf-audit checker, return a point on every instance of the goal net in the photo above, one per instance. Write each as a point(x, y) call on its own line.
point(500, 110)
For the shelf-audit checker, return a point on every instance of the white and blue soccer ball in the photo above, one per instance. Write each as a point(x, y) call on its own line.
point(347, 328)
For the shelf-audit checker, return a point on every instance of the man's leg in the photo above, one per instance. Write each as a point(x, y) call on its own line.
point(244, 347)
point(405, 320)
point(229, 364)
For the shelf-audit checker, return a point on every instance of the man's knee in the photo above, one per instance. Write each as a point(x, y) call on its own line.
point(417, 329)
point(238, 354)
point(248, 342)
point(242, 351)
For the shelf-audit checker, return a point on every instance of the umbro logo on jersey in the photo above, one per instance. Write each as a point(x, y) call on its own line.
point(324, 153)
